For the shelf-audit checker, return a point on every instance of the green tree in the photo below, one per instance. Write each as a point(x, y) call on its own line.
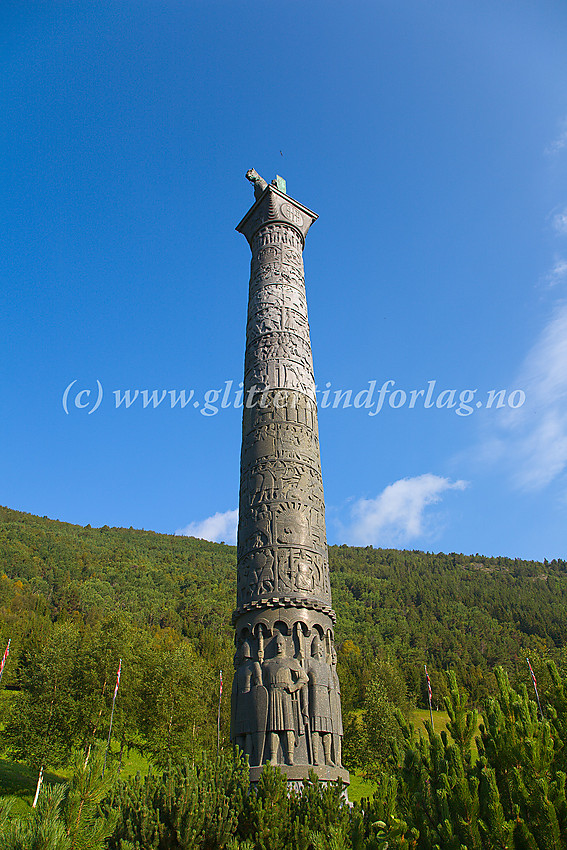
point(45, 717)
point(177, 709)
point(67, 817)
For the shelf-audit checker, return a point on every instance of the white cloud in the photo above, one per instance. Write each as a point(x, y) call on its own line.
point(543, 452)
point(221, 527)
point(559, 222)
point(398, 514)
point(533, 438)
point(557, 273)
point(560, 142)
point(545, 367)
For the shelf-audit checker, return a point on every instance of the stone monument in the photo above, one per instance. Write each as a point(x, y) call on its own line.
point(286, 695)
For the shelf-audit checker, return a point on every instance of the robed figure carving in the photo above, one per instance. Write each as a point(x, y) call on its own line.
point(320, 685)
point(283, 677)
point(249, 705)
point(336, 711)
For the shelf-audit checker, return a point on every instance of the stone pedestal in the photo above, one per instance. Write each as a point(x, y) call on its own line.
point(286, 705)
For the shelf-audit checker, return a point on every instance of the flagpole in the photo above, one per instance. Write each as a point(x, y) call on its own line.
point(112, 714)
point(38, 787)
point(218, 713)
point(535, 687)
point(5, 658)
point(40, 777)
point(428, 680)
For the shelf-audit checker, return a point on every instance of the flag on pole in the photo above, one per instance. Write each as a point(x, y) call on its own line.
point(219, 712)
point(5, 658)
point(429, 691)
point(532, 673)
point(112, 714)
point(429, 694)
point(117, 679)
point(38, 787)
point(535, 687)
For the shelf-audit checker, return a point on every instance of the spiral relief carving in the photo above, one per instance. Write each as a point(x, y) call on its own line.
point(286, 696)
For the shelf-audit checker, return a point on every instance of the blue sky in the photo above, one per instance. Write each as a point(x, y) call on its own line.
point(431, 138)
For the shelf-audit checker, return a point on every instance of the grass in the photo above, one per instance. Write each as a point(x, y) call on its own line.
point(20, 781)
point(134, 763)
point(419, 716)
point(359, 788)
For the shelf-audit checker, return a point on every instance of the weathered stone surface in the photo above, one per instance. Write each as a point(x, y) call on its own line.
point(286, 695)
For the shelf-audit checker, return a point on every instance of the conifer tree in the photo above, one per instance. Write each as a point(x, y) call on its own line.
point(67, 817)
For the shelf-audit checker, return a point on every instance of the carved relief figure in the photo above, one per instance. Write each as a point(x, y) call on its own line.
point(285, 571)
point(276, 234)
point(262, 579)
point(304, 575)
point(263, 521)
point(283, 677)
point(336, 709)
point(296, 322)
point(250, 702)
point(256, 575)
point(263, 574)
point(267, 255)
point(290, 255)
point(243, 590)
point(261, 484)
point(267, 320)
point(320, 703)
point(295, 298)
point(291, 525)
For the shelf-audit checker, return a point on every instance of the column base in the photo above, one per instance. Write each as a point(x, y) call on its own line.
point(300, 772)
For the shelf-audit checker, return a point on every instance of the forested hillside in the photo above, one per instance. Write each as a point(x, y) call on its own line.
point(468, 613)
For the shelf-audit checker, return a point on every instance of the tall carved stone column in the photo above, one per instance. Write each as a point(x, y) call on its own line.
point(286, 698)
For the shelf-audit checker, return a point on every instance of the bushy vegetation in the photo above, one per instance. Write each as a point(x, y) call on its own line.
point(465, 612)
point(434, 792)
point(74, 600)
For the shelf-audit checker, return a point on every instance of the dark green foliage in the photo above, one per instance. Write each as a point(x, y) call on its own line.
point(43, 830)
point(525, 754)
point(376, 824)
point(462, 722)
point(436, 793)
point(166, 706)
point(467, 613)
point(369, 733)
point(180, 809)
point(294, 819)
point(178, 702)
point(86, 827)
point(75, 600)
point(511, 796)
point(67, 817)
point(212, 807)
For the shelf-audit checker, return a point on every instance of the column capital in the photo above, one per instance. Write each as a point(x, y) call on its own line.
point(274, 206)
